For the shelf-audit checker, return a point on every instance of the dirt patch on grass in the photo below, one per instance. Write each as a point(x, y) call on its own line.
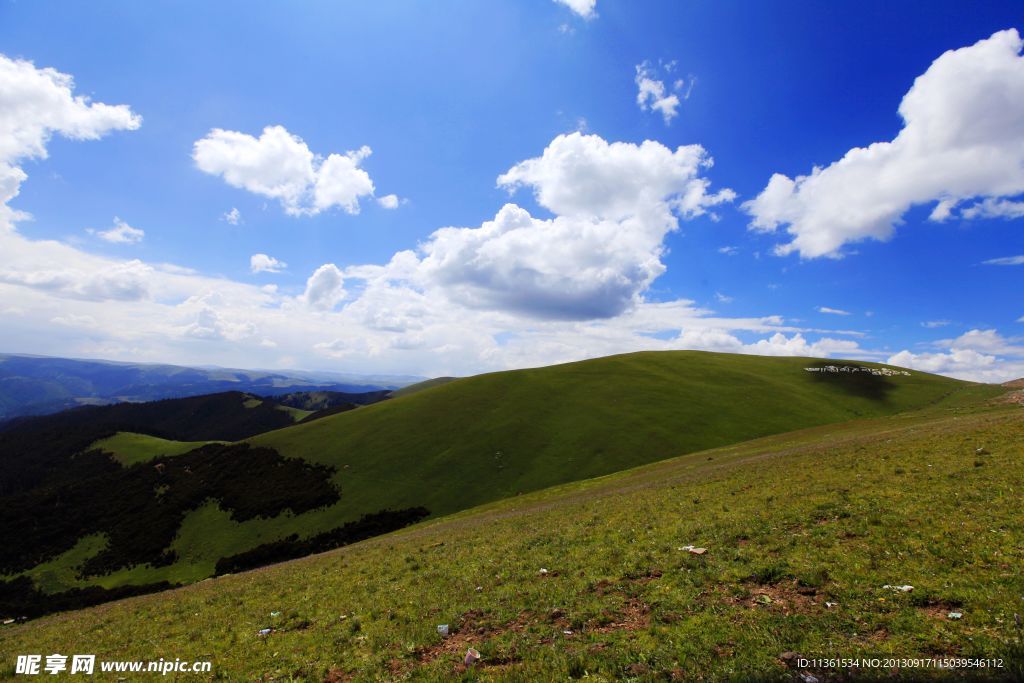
point(787, 597)
point(1012, 397)
point(940, 610)
point(634, 616)
point(473, 627)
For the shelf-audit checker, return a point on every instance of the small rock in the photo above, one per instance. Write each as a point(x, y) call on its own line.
point(764, 600)
point(472, 657)
point(788, 656)
point(899, 589)
point(542, 571)
point(567, 633)
point(275, 614)
point(264, 632)
point(693, 550)
point(955, 615)
point(830, 605)
point(808, 678)
point(980, 451)
point(442, 630)
point(479, 589)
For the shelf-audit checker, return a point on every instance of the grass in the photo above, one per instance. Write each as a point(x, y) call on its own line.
point(474, 440)
point(420, 386)
point(791, 522)
point(129, 448)
point(298, 414)
point(467, 442)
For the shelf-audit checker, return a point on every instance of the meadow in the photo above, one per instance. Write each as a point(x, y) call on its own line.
point(803, 533)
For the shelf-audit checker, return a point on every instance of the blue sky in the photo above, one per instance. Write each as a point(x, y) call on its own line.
point(450, 96)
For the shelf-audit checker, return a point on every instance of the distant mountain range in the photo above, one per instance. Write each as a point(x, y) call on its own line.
point(39, 385)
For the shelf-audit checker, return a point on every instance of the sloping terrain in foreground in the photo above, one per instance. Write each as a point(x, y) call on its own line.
point(141, 512)
point(803, 533)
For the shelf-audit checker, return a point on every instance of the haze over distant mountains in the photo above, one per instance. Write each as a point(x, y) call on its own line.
point(38, 385)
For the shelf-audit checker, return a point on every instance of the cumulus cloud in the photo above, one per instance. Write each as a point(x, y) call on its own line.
point(653, 95)
point(388, 201)
point(583, 175)
point(35, 104)
point(614, 205)
point(962, 139)
point(234, 216)
point(121, 233)
point(281, 166)
point(584, 8)
point(933, 324)
point(209, 324)
point(325, 288)
point(976, 355)
point(262, 263)
point(1005, 261)
point(778, 344)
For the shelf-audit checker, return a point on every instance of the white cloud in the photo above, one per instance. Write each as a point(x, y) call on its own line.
point(614, 205)
point(583, 175)
point(261, 263)
point(424, 311)
point(652, 95)
point(989, 341)
point(1005, 261)
point(584, 8)
point(723, 298)
point(933, 324)
point(994, 208)
point(831, 311)
point(281, 166)
point(325, 287)
point(234, 216)
point(35, 104)
point(728, 250)
point(778, 344)
point(121, 233)
point(963, 137)
point(976, 355)
point(209, 325)
point(388, 201)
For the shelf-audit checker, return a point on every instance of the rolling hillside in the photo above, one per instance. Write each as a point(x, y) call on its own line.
point(804, 533)
point(477, 439)
point(432, 452)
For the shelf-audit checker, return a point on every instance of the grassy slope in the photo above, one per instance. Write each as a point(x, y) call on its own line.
point(829, 514)
point(130, 448)
point(298, 414)
point(491, 436)
point(420, 386)
point(483, 438)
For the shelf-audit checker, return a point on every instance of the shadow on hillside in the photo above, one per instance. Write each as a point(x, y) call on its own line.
point(854, 383)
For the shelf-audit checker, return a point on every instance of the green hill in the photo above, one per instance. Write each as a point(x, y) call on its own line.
point(478, 439)
point(804, 533)
point(318, 484)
